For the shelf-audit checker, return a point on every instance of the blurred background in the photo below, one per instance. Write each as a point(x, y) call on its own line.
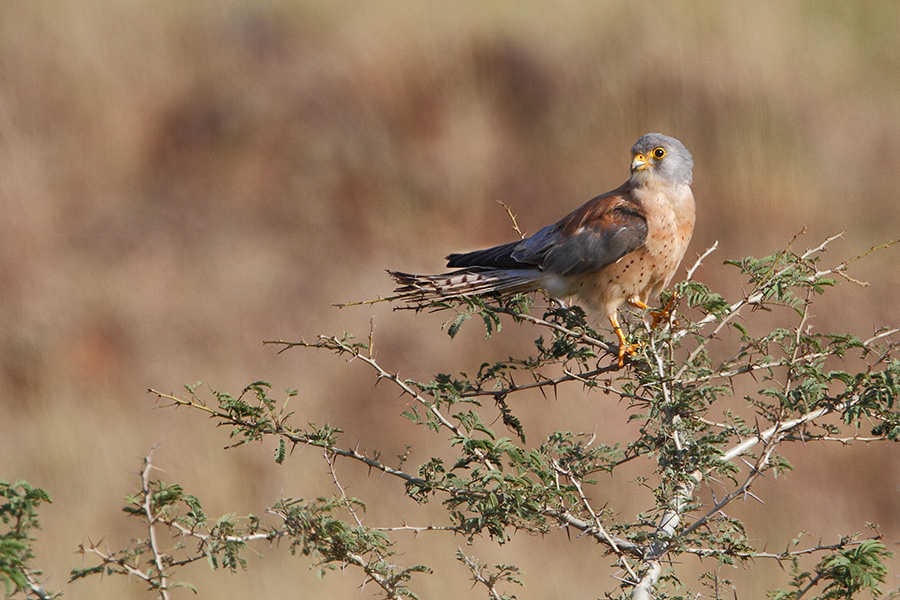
point(181, 181)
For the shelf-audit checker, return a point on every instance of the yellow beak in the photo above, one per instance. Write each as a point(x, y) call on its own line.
point(639, 163)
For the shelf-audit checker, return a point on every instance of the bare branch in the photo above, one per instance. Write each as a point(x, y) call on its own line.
point(108, 559)
point(598, 524)
point(690, 272)
point(588, 378)
point(845, 543)
point(478, 576)
point(576, 335)
point(512, 217)
point(624, 545)
point(161, 581)
point(329, 458)
point(417, 530)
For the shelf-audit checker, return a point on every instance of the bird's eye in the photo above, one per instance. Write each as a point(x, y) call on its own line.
point(659, 153)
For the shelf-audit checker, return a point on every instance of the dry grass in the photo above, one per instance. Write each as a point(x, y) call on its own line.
point(181, 181)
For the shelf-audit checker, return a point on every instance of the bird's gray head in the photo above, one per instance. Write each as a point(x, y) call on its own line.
point(660, 158)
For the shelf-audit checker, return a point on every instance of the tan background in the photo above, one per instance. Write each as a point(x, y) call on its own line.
point(180, 181)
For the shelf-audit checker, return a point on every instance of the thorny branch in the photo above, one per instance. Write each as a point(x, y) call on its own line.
point(156, 576)
point(344, 348)
point(640, 549)
point(479, 577)
point(147, 506)
point(598, 527)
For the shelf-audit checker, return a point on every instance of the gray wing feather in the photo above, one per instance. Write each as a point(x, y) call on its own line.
point(589, 249)
point(588, 239)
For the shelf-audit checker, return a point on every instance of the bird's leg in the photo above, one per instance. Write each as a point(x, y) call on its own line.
point(637, 303)
point(660, 316)
point(624, 346)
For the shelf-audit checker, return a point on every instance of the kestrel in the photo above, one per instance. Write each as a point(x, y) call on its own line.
point(622, 246)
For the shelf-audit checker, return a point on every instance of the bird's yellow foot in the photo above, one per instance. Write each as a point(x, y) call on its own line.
point(637, 303)
point(663, 315)
point(624, 347)
point(627, 350)
point(657, 316)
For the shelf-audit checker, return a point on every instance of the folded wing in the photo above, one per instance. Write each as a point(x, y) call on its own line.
point(596, 235)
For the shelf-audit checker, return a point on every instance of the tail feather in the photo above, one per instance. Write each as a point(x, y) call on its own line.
point(421, 290)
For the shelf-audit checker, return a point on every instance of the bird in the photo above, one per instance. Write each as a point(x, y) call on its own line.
point(620, 247)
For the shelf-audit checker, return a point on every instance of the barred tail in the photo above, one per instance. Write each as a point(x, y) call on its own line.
point(419, 291)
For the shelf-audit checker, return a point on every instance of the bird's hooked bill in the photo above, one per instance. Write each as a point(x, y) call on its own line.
point(639, 163)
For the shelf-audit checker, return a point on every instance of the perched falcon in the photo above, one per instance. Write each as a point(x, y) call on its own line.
point(622, 246)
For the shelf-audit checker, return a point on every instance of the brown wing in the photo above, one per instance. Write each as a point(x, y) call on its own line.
point(595, 235)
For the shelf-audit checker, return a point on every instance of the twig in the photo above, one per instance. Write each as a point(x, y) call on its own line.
point(365, 302)
point(147, 506)
point(417, 530)
point(206, 537)
point(296, 438)
point(839, 270)
point(690, 272)
point(108, 559)
point(329, 458)
point(569, 519)
point(36, 588)
point(578, 336)
point(382, 581)
point(332, 342)
point(757, 469)
point(598, 524)
point(587, 377)
point(512, 217)
point(786, 554)
point(475, 569)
